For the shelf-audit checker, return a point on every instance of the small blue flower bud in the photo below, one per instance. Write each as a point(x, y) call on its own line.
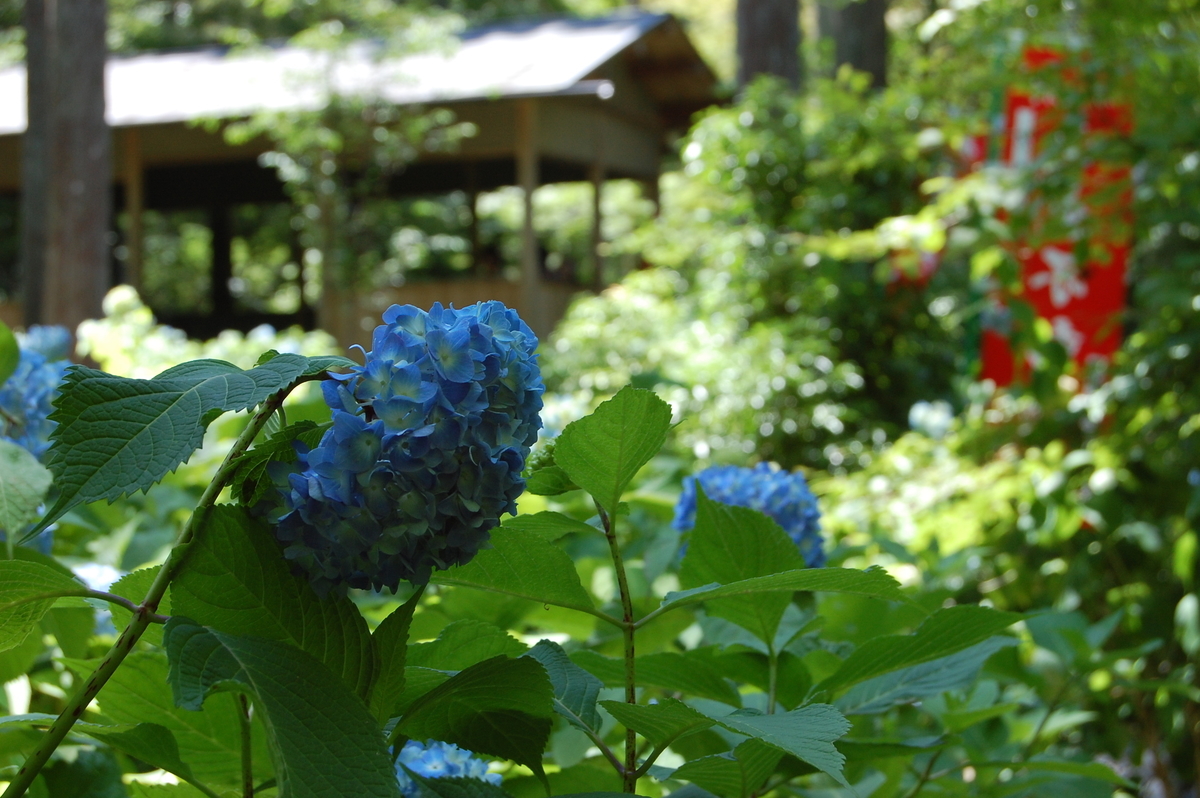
point(26, 397)
point(437, 760)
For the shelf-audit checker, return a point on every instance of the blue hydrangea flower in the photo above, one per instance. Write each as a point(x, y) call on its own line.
point(436, 760)
point(25, 398)
point(781, 495)
point(428, 443)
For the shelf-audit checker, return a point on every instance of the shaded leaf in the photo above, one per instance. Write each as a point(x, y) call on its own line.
point(459, 787)
point(602, 452)
point(920, 681)
point(323, 741)
point(666, 670)
point(209, 741)
point(946, 632)
point(575, 690)
point(522, 564)
point(461, 644)
point(237, 581)
point(27, 591)
point(549, 481)
point(23, 485)
point(501, 707)
point(391, 641)
point(736, 774)
point(731, 544)
point(660, 723)
point(806, 733)
point(550, 525)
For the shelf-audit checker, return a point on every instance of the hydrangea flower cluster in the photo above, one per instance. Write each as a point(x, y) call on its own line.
point(437, 760)
point(428, 443)
point(781, 495)
point(26, 396)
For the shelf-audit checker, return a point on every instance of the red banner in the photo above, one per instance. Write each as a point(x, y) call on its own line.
point(1083, 302)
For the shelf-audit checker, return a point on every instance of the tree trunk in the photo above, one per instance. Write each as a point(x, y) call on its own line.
point(768, 40)
point(860, 36)
point(66, 163)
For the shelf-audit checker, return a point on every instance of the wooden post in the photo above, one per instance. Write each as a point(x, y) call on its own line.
point(67, 165)
point(527, 177)
point(222, 260)
point(596, 175)
point(135, 204)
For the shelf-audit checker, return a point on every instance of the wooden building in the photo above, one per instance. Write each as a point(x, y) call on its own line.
point(552, 101)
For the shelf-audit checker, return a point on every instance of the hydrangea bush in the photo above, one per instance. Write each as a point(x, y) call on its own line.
point(352, 580)
point(428, 443)
point(26, 396)
point(781, 495)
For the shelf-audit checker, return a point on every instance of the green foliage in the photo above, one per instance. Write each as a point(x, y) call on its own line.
point(23, 486)
point(116, 436)
point(27, 591)
point(603, 452)
point(500, 706)
point(321, 736)
point(237, 583)
point(10, 352)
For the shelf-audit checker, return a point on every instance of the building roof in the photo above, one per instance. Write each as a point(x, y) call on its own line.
point(531, 59)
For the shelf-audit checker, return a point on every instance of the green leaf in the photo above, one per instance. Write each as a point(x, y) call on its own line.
point(665, 670)
point(575, 690)
point(134, 586)
point(920, 681)
point(464, 643)
point(18, 660)
point(737, 774)
point(865, 750)
point(500, 707)
point(153, 744)
point(549, 525)
point(947, 631)
point(602, 452)
point(391, 641)
point(874, 582)
point(10, 353)
point(209, 741)
point(72, 628)
point(959, 720)
point(460, 787)
point(418, 682)
point(27, 591)
point(237, 581)
point(90, 774)
point(323, 741)
point(731, 544)
point(23, 485)
point(659, 723)
point(549, 481)
point(250, 479)
point(523, 564)
point(1090, 770)
point(806, 733)
point(116, 436)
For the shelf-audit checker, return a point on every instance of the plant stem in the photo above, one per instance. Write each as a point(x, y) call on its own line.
point(629, 776)
point(772, 678)
point(920, 785)
point(247, 762)
point(144, 613)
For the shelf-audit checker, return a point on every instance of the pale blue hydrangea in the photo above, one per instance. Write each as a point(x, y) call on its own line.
point(26, 396)
point(428, 443)
point(437, 760)
point(782, 495)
